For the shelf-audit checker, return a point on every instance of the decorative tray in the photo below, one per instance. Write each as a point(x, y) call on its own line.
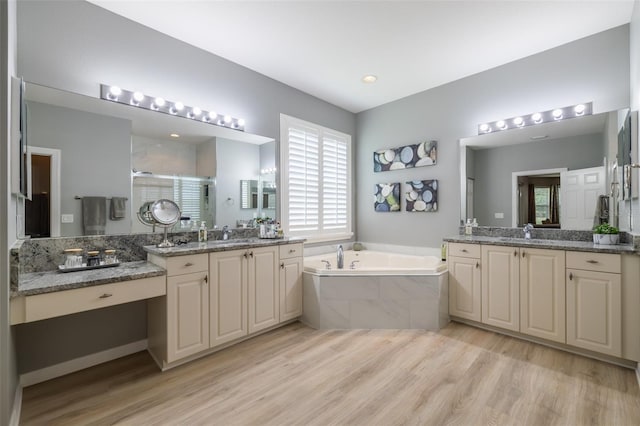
point(63, 268)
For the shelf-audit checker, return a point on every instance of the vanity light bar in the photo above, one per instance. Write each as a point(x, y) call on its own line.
point(556, 114)
point(138, 99)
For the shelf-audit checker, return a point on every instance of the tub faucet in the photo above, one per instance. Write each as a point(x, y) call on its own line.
point(353, 264)
point(340, 257)
point(527, 231)
point(225, 232)
point(327, 263)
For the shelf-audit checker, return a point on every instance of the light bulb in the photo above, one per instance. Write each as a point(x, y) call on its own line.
point(241, 122)
point(213, 115)
point(579, 109)
point(227, 119)
point(115, 91)
point(138, 96)
point(502, 125)
point(557, 114)
point(179, 106)
point(485, 128)
point(518, 121)
point(537, 118)
point(196, 111)
point(159, 102)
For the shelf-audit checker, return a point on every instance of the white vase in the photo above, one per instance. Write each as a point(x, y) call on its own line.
point(606, 239)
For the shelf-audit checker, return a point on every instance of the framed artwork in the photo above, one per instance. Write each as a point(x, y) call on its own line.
point(386, 197)
point(422, 196)
point(405, 157)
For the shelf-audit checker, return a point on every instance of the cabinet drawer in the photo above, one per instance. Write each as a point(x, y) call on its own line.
point(179, 265)
point(290, 250)
point(66, 302)
point(464, 250)
point(600, 262)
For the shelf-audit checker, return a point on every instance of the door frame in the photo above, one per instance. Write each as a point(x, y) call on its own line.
point(55, 156)
point(514, 189)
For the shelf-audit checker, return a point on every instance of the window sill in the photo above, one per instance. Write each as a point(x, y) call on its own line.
point(325, 238)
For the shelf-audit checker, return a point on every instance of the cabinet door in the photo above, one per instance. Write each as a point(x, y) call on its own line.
point(464, 287)
point(264, 289)
point(228, 295)
point(187, 315)
point(594, 314)
point(291, 288)
point(542, 293)
point(500, 287)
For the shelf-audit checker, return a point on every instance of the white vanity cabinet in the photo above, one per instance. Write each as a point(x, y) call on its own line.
point(542, 293)
point(594, 302)
point(244, 293)
point(178, 324)
point(291, 268)
point(500, 287)
point(464, 281)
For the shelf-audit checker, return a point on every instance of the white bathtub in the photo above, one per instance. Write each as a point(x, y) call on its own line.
point(384, 290)
point(369, 262)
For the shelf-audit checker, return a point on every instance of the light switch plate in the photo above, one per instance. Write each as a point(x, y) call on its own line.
point(66, 218)
point(499, 215)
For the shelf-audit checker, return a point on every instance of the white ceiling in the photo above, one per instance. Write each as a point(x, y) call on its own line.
point(324, 48)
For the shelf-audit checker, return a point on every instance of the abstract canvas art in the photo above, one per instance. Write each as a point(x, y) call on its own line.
point(422, 196)
point(422, 154)
point(386, 197)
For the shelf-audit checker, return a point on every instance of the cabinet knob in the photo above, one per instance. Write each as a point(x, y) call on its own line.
point(515, 253)
point(282, 265)
point(292, 251)
point(206, 279)
point(188, 264)
point(523, 254)
point(245, 255)
point(251, 253)
point(106, 295)
point(464, 250)
point(592, 261)
point(477, 265)
point(571, 276)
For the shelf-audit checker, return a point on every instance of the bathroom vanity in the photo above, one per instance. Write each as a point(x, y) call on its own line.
point(222, 292)
point(574, 295)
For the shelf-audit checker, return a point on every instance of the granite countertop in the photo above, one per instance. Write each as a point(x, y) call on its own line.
point(219, 245)
point(543, 244)
point(50, 281)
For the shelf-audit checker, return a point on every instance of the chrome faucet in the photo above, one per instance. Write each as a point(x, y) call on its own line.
point(527, 231)
point(327, 263)
point(340, 257)
point(225, 232)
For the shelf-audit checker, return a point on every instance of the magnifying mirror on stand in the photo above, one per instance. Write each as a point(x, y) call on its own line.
point(163, 213)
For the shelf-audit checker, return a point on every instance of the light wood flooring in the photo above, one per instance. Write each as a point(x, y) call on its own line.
point(299, 376)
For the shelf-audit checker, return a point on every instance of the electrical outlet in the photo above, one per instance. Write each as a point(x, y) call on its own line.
point(67, 218)
point(499, 215)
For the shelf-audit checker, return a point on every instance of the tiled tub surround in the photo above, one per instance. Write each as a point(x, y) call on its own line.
point(399, 301)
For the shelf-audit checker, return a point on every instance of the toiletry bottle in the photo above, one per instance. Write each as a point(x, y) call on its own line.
point(202, 232)
point(474, 223)
point(468, 228)
point(443, 252)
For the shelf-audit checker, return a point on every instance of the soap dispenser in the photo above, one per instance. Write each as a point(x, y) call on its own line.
point(202, 232)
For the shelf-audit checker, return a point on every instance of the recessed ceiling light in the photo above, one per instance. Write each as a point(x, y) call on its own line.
point(174, 135)
point(369, 79)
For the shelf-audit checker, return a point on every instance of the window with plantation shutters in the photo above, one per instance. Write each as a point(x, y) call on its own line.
point(315, 169)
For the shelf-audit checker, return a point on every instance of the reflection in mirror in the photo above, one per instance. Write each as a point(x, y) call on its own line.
point(91, 147)
point(248, 194)
point(541, 174)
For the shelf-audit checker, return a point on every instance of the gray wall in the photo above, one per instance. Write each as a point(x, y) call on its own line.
point(594, 69)
point(8, 369)
point(95, 159)
point(494, 166)
point(78, 45)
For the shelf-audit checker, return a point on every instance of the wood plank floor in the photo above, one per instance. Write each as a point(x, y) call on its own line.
point(299, 376)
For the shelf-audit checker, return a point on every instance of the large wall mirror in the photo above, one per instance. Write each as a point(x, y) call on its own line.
point(82, 147)
point(564, 174)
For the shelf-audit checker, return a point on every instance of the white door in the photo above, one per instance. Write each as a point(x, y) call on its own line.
point(579, 191)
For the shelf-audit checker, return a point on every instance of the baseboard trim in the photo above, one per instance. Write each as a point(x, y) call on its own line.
point(14, 420)
point(77, 364)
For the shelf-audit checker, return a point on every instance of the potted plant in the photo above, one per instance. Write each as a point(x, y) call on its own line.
point(606, 234)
